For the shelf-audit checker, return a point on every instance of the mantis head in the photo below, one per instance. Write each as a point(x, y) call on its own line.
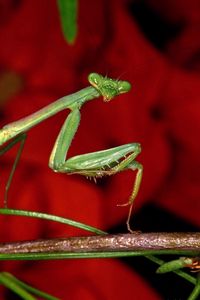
point(107, 87)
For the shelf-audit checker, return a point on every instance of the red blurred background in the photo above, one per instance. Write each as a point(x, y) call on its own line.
point(156, 46)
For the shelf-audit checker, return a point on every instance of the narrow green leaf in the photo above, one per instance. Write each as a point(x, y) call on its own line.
point(72, 255)
point(68, 14)
point(34, 214)
point(27, 287)
point(196, 291)
point(13, 286)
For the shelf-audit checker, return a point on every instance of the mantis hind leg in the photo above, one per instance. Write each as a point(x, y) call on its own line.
point(18, 139)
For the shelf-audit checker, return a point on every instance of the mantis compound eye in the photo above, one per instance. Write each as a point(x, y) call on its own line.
point(124, 86)
point(95, 79)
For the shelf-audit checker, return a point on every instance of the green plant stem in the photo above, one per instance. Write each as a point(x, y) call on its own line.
point(34, 214)
point(50, 256)
point(196, 291)
point(24, 286)
point(12, 285)
point(68, 14)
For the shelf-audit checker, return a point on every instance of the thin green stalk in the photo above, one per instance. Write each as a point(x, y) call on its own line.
point(13, 286)
point(34, 214)
point(104, 254)
point(68, 14)
point(27, 287)
point(196, 291)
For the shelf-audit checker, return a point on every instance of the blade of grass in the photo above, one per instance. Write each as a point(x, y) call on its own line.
point(103, 254)
point(68, 15)
point(27, 287)
point(13, 286)
point(33, 214)
point(196, 291)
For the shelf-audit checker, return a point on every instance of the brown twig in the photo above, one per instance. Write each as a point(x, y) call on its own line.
point(112, 243)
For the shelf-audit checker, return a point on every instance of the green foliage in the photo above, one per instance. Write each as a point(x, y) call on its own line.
point(196, 291)
point(22, 289)
point(68, 14)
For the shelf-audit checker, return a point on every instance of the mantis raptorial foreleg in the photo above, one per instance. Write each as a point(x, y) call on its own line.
point(95, 164)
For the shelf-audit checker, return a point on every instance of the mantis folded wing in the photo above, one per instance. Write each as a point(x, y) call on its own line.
point(95, 164)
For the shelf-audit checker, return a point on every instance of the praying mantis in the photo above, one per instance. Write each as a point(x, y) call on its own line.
point(95, 164)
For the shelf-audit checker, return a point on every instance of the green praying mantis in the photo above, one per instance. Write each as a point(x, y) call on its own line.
point(96, 164)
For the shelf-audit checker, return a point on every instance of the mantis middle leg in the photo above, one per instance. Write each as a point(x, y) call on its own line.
point(96, 164)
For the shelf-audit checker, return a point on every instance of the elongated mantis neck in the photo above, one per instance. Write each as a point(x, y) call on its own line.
point(72, 101)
